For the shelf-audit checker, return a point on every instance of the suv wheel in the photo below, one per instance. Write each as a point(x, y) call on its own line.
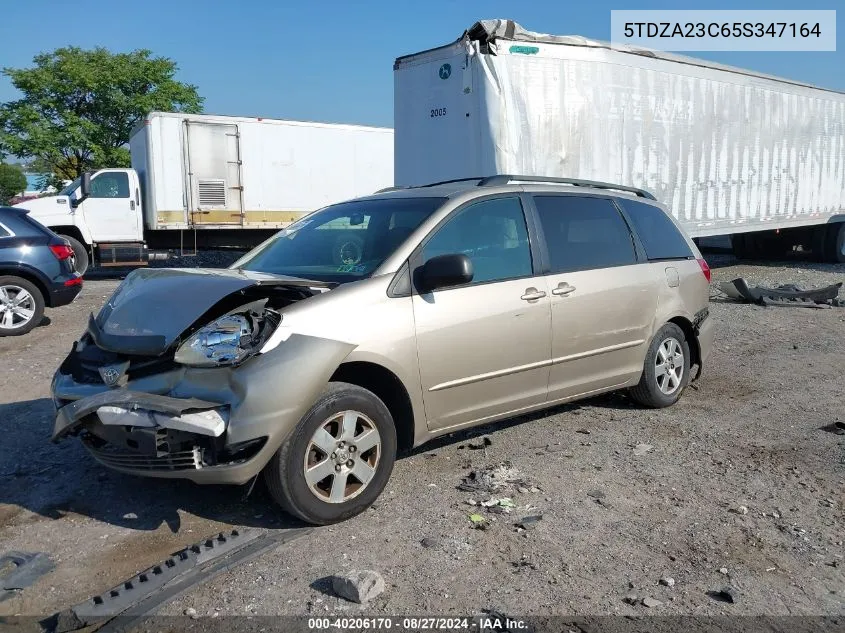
point(666, 370)
point(21, 306)
point(338, 459)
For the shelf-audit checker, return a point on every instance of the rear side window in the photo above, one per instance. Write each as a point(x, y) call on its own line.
point(584, 233)
point(659, 235)
point(4, 232)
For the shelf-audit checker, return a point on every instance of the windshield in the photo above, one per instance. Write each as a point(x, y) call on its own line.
point(340, 243)
point(70, 188)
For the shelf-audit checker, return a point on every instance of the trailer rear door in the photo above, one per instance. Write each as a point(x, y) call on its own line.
point(213, 166)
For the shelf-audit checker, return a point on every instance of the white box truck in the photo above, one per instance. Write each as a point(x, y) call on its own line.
point(205, 181)
point(730, 151)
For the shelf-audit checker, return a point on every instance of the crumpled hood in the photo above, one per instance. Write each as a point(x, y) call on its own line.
point(153, 307)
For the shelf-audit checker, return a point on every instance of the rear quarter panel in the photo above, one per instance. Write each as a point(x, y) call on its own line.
point(690, 295)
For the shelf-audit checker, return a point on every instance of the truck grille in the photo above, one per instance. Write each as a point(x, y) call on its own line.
point(119, 458)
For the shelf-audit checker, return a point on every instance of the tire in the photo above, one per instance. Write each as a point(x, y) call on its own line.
point(834, 243)
point(12, 322)
point(80, 254)
point(819, 242)
point(744, 246)
point(310, 501)
point(649, 391)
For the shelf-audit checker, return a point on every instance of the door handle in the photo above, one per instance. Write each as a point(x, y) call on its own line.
point(532, 294)
point(131, 205)
point(563, 289)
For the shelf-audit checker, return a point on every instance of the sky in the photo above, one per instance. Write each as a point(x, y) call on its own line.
point(332, 60)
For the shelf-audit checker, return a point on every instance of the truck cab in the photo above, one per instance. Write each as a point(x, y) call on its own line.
point(99, 208)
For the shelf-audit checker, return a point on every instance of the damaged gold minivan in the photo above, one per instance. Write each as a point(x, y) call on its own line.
point(379, 323)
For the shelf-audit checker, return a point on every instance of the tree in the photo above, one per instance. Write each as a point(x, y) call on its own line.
point(12, 182)
point(79, 106)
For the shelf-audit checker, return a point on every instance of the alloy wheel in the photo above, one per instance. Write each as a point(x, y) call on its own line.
point(342, 457)
point(669, 365)
point(17, 307)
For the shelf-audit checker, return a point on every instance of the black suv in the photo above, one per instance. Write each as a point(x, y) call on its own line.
point(37, 269)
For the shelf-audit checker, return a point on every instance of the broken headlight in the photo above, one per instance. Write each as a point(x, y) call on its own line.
point(226, 341)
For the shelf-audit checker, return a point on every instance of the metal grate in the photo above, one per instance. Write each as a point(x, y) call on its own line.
point(119, 458)
point(212, 193)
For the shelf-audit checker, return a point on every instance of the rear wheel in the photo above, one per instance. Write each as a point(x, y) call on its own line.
point(666, 370)
point(834, 243)
point(21, 306)
point(80, 254)
point(745, 246)
point(338, 459)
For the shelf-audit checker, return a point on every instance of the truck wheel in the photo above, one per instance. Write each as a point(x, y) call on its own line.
point(834, 245)
point(21, 306)
point(818, 242)
point(666, 371)
point(745, 246)
point(338, 459)
point(80, 253)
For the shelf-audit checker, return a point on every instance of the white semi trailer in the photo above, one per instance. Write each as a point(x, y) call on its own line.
point(202, 181)
point(730, 151)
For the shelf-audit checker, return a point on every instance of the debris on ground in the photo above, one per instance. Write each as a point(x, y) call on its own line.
point(596, 494)
point(429, 542)
point(529, 522)
point(130, 516)
point(725, 594)
point(18, 570)
point(837, 428)
point(783, 295)
point(493, 479)
point(583, 431)
point(723, 570)
point(191, 613)
point(642, 449)
point(479, 522)
point(667, 581)
point(499, 506)
point(740, 510)
point(631, 598)
point(480, 443)
point(651, 602)
point(359, 586)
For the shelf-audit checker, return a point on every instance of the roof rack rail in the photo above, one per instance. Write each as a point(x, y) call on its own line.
point(429, 184)
point(504, 179)
point(386, 189)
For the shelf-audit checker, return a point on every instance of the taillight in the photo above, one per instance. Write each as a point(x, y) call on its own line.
point(61, 251)
point(75, 281)
point(705, 269)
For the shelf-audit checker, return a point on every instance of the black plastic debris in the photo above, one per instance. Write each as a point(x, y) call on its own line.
point(529, 522)
point(21, 570)
point(783, 295)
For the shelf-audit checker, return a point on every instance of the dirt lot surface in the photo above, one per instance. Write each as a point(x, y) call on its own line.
point(740, 484)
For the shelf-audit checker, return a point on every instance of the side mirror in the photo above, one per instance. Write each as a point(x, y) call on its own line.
point(445, 271)
point(84, 190)
point(85, 185)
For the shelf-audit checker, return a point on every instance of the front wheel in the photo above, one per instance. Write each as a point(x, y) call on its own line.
point(338, 459)
point(666, 370)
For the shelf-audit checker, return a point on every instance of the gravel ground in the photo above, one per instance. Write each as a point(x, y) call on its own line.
point(741, 486)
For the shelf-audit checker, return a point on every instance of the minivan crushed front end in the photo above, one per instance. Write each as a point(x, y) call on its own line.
point(175, 384)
